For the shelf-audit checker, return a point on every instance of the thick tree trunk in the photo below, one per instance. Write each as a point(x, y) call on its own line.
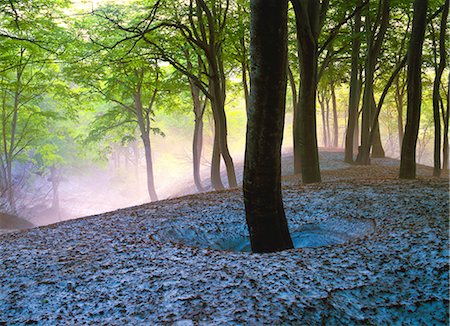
point(354, 95)
point(266, 220)
point(436, 92)
point(408, 154)
point(308, 25)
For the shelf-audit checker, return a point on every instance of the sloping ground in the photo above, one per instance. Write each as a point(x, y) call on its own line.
point(151, 264)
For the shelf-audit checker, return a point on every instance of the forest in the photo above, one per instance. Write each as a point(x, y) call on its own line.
point(224, 161)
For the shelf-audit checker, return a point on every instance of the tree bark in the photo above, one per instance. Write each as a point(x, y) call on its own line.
point(324, 123)
point(414, 91)
point(308, 21)
point(446, 115)
point(297, 159)
point(354, 95)
point(266, 220)
point(399, 94)
point(144, 128)
point(335, 117)
point(436, 92)
point(374, 43)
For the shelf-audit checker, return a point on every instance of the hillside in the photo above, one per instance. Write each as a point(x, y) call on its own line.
point(370, 249)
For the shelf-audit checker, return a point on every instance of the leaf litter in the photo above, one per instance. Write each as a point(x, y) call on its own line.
point(173, 261)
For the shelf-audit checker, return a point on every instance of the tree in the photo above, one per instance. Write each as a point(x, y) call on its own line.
point(266, 220)
point(355, 88)
point(414, 91)
point(202, 28)
point(436, 90)
point(310, 15)
point(375, 36)
point(27, 75)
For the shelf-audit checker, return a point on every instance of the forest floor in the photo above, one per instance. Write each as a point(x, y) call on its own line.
point(370, 249)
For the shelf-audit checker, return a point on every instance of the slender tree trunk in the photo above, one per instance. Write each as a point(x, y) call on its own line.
point(374, 43)
point(327, 120)
point(197, 145)
point(244, 68)
point(297, 160)
point(446, 114)
point(197, 142)
point(55, 180)
point(354, 95)
point(408, 154)
point(335, 117)
point(399, 93)
point(266, 220)
point(217, 88)
point(145, 136)
point(436, 92)
point(324, 123)
point(216, 180)
point(149, 165)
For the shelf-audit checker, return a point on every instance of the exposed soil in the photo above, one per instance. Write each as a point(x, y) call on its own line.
point(165, 262)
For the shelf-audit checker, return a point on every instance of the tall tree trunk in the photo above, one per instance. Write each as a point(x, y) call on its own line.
point(354, 95)
point(399, 94)
point(198, 110)
point(377, 147)
point(446, 115)
point(55, 179)
point(197, 144)
point(335, 117)
point(307, 15)
point(149, 166)
point(324, 118)
point(144, 129)
point(216, 180)
point(408, 154)
point(217, 88)
point(327, 120)
point(265, 216)
point(374, 43)
point(436, 92)
point(244, 68)
point(296, 152)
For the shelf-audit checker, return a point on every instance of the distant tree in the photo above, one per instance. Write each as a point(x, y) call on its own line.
point(27, 75)
point(266, 220)
point(414, 91)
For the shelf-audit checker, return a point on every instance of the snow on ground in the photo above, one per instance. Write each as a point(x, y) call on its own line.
point(161, 263)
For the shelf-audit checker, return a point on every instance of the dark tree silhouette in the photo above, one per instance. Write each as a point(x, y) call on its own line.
point(414, 91)
point(262, 170)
